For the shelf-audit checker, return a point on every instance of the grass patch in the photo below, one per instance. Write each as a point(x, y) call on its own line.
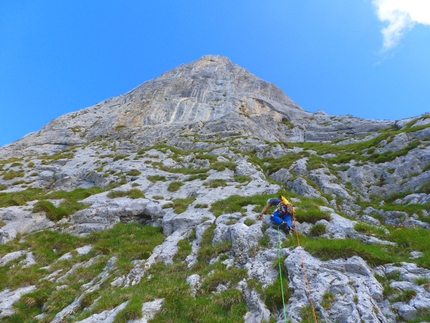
point(249, 222)
point(174, 186)
point(370, 229)
point(215, 183)
point(325, 249)
point(181, 205)
point(317, 230)
point(11, 174)
point(201, 176)
point(134, 193)
point(235, 203)
point(53, 213)
point(134, 172)
point(156, 178)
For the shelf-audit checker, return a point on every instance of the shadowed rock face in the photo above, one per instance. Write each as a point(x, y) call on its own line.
point(209, 98)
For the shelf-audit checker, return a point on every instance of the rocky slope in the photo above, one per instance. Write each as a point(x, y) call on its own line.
point(191, 157)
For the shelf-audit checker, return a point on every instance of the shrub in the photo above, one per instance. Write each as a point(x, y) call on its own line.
point(3, 187)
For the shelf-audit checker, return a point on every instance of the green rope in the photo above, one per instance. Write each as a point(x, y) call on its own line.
point(280, 275)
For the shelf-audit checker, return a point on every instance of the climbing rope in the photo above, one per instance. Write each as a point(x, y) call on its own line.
point(304, 271)
point(280, 276)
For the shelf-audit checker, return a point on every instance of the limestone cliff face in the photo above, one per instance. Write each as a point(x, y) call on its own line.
point(209, 98)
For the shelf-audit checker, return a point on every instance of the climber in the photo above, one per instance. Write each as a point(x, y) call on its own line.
point(283, 215)
point(270, 202)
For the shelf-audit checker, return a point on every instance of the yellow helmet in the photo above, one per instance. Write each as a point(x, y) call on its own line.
point(284, 200)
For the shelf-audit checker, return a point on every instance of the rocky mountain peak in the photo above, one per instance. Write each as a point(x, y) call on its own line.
point(205, 99)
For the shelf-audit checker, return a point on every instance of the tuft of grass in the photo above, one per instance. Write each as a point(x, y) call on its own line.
point(201, 176)
point(174, 186)
point(11, 174)
point(216, 183)
point(273, 294)
point(374, 254)
point(312, 215)
point(157, 178)
point(181, 205)
point(134, 172)
point(422, 281)
point(249, 221)
point(134, 193)
point(405, 296)
point(235, 203)
point(327, 299)
point(242, 178)
point(317, 230)
point(201, 206)
point(221, 166)
point(369, 229)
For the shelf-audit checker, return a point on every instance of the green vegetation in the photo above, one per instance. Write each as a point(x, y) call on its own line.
point(234, 203)
point(11, 174)
point(69, 204)
point(249, 222)
point(327, 299)
point(134, 193)
point(201, 176)
point(133, 172)
point(156, 178)
point(407, 240)
point(370, 229)
point(126, 242)
point(216, 183)
point(181, 205)
point(317, 230)
point(174, 186)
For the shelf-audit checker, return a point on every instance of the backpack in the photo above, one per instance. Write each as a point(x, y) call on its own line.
point(290, 209)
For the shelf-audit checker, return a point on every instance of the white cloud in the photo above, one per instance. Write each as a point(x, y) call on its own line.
point(401, 16)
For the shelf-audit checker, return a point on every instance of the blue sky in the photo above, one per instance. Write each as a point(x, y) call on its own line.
point(367, 58)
